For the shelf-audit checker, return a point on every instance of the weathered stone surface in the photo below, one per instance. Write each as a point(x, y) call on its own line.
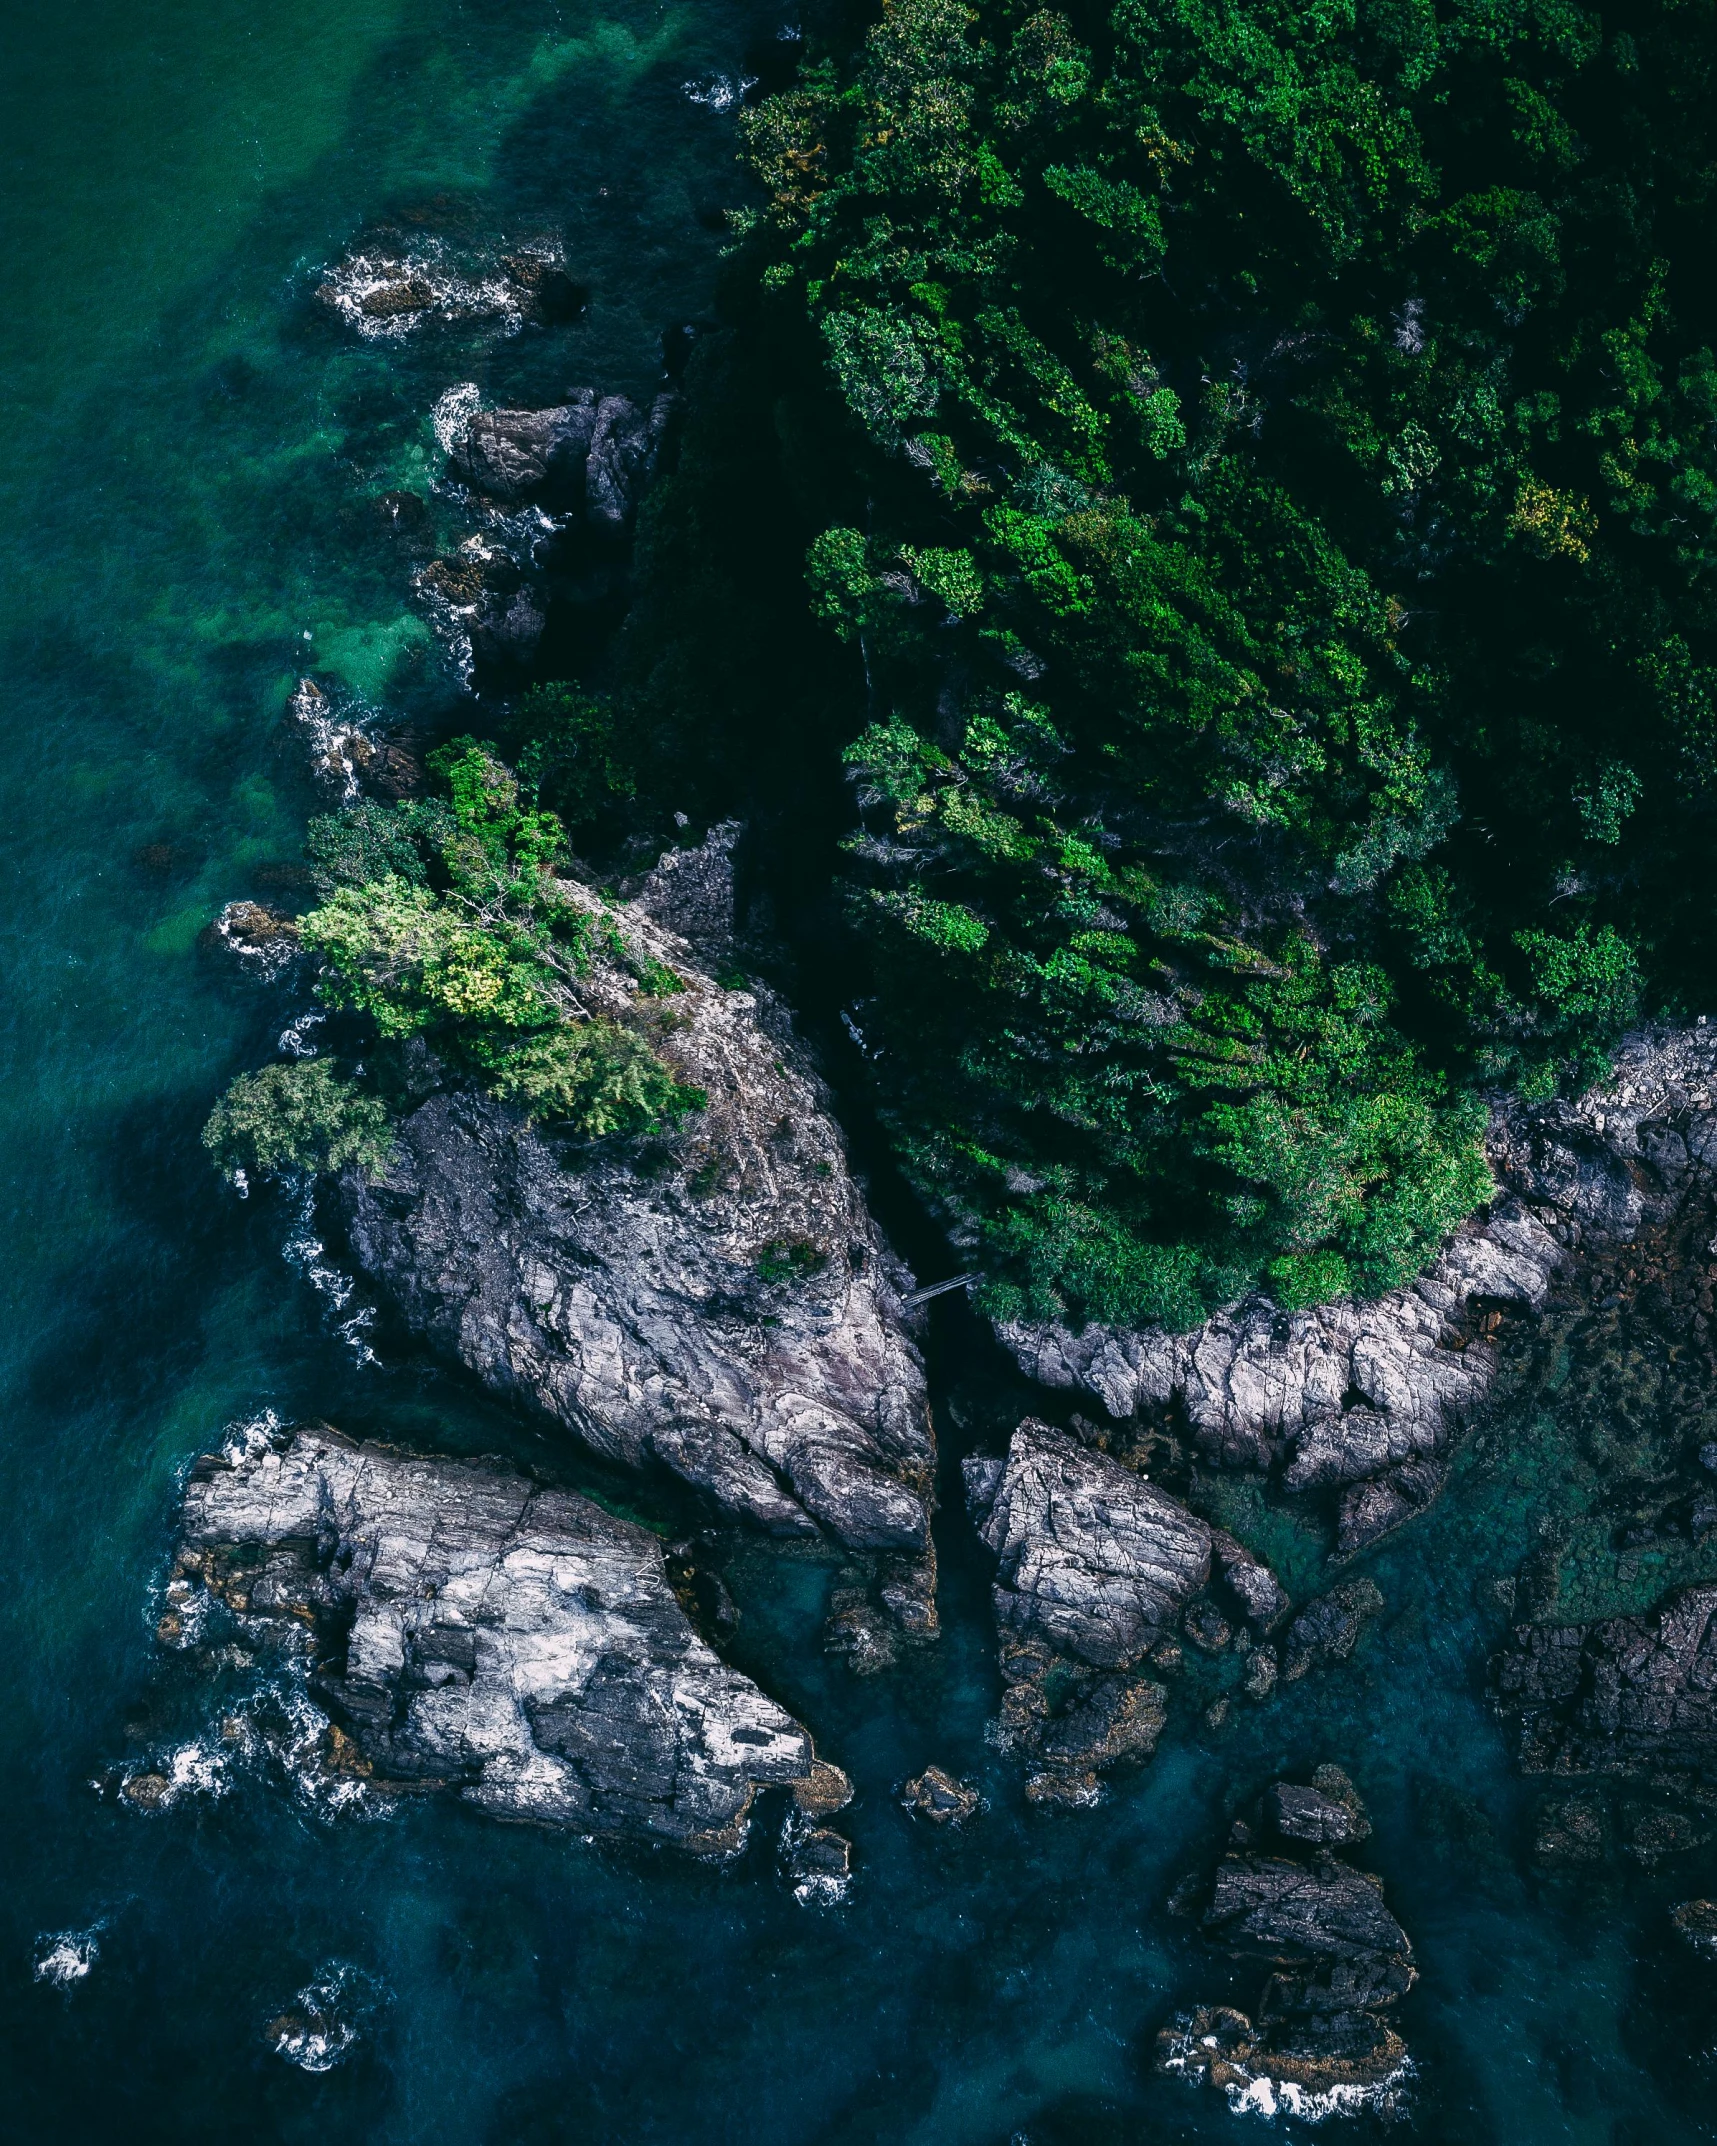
point(592, 454)
point(1328, 1629)
point(1348, 1392)
point(516, 455)
point(940, 1798)
point(479, 1633)
point(1092, 1559)
point(1338, 1962)
point(1323, 1814)
point(1629, 1695)
point(719, 1301)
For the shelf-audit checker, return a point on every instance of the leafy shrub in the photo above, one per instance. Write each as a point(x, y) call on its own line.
point(299, 1116)
point(594, 1077)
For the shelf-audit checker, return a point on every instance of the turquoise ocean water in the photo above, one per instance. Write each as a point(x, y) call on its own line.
point(193, 453)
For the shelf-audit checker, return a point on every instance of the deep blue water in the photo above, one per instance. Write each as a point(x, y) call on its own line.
point(192, 452)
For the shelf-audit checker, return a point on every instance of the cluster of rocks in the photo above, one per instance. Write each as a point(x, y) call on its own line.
point(1098, 1574)
point(1320, 2038)
point(718, 1302)
point(1625, 1695)
point(472, 1631)
point(579, 468)
point(391, 285)
point(1362, 1399)
point(348, 756)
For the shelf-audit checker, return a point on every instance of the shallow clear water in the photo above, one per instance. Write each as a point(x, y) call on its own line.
point(193, 452)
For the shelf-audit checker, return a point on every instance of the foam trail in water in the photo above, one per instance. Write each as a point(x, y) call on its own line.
point(66, 1957)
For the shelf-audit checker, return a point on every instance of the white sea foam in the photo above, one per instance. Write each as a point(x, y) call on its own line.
point(326, 2019)
point(384, 295)
point(198, 1768)
point(66, 1957)
point(1255, 2090)
point(304, 1251)
point(719, 93)
point(298, 1038)
point(453, 412)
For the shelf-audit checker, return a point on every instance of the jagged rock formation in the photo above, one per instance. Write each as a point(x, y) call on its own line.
point(1628, 1695)
point(476, 1632)
point(718, 1301)
point(593, 453)
point(1096, 1569)
point(1338, 1962)
point(1361, 1398)
point(937, 1796)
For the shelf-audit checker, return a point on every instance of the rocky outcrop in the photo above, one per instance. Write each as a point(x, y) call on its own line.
point(592, 454)
point(1360, 1398)
point(1628, 1695)
point(718, 1301)
point(1097, 1569)
point(1320, 2040)
point(477, 1633)
point(1093, 1559)
point(937, 1796)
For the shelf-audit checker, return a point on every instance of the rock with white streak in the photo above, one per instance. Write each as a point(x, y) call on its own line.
point(717, 1301)
point(478, 1633)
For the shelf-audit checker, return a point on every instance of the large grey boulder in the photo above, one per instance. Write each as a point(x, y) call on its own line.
point(478, 1633)
point(1091, 1558)
point(593, 453)
point(718, 1301)
point(1359, 1397)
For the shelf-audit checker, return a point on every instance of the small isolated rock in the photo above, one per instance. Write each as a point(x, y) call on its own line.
point(937, 1796)
point(1205, 1625)
point(1262, 1669)
point(260, 939)
point(1570, 1832)
point(1328, 1629)
point(1655, 1834)
point(816, 1861)
point(1695, 1922)
point(1307, 1814)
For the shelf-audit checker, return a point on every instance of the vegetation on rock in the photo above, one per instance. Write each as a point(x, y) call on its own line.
point(1254, 470)
point(444, 920)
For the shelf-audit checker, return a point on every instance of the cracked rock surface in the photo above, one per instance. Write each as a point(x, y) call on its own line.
point(1096, 1568)
point(1625, 1695)
point(1337, 1962)
point(1360, 1397)
point(718, 1301)
point(479, 1633)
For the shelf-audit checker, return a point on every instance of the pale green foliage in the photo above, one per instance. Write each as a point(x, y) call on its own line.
point(301, 1116)
point(409, 959)
point(595, 1076)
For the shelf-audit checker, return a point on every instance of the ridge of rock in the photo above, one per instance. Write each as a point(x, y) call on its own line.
point(478, 1633)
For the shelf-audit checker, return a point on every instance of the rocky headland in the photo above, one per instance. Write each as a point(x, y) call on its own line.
point(1362, 1400)
point(718, 1301)
point(471, 1631)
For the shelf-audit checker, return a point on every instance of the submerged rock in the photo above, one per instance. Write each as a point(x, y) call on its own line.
point(1328, 1629)
point(1319, 2041)
point(717, 1301)
point(475, 1632)
point(1627, 1695)
point(1366, 1394)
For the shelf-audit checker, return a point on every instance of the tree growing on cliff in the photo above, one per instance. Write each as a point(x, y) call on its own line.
point(1258, 480)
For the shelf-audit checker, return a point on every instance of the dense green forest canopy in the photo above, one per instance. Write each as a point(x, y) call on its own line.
point(1253, 467)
